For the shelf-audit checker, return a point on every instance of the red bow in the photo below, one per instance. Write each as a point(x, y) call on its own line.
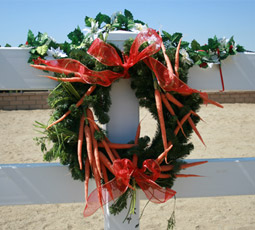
point(125, 170)
point(107, 55)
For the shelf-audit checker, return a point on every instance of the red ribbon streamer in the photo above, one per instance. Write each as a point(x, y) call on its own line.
point(124, 171)
point(221, 76)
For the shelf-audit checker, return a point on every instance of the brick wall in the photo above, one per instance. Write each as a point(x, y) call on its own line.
point(38, 99)
point(24, 100)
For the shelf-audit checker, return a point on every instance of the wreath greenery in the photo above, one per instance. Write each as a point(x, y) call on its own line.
point(64, 134)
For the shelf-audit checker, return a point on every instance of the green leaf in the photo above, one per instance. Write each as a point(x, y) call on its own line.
point(128, 15)
point(30, 37)
point(7, 45)
point(76, 36)
point(176, 37)
point(88, 21)
point(195, 45)
point(42, 50)
point(100, 18)
point(240, 48)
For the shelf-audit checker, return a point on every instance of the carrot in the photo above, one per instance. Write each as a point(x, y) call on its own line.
point(86, 183)
point(94, 142)
point(114, 151)
point(170, 109)
point(165, 168)
point(171, 98)
point(106, 162)
point(164, 154)
point(105, 176)
point(187, 175)
point(188, 165)
point(137, 135)
point(162, 175)
point(161, 117)
point(106, 146)
point(89, 144)
point(195, 130)
point(181, 122)
point(117, 145)
point(80, 140)
point(65, 79)
point(168, 63)
point(176, 66)
point(90, 90)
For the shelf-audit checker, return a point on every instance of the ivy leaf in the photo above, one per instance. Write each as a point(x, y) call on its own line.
point(30, 37)
point(100, 18)
point(139, 21)
point(176, 37)
point(88, 21)
point(128, 15)
point(76, 36)
point(166, 36)
point(195, 45)
point(42, 50)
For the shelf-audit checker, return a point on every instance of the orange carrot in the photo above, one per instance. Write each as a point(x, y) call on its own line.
point(161, 117)
point(80, 140)
point(187, 175)
point(162, 175)
point(94, 142)
point(137, 135)
point(106, 162)
point(195, 130)
point(170, 109)
point(135, 159)
point(168, 63)
point(89, 144)
point(106, 146)
point(182, 122)
point(188, 165)
point(86, 183)
point(90, 90)
point(171, 98)
point(176, 66)
point(105, 176)
point(165, 168)
point(65, 79)
point(117, 145)
point(164, 154)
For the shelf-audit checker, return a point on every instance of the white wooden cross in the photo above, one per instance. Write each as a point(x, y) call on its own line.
point(52, 183)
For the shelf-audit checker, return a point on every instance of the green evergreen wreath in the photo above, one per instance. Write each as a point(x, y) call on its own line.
point(65, 134)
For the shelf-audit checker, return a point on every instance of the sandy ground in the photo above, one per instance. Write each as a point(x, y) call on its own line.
point(227, 132)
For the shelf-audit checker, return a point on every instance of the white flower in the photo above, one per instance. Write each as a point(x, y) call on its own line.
point(55, 53)
point(185, 57)
point(223, 42)
point(93, 31)
point(139, 27)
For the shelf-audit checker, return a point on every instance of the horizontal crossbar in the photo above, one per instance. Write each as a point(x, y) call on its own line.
point(52, 183)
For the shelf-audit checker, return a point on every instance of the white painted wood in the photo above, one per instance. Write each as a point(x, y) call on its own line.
point(237, 71)
point(16, 74)
point(124, 119)
point(45, 183)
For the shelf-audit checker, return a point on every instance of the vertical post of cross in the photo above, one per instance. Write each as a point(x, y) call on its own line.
point(124, 119)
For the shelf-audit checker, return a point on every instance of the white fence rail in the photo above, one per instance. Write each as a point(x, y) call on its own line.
point(52, 183)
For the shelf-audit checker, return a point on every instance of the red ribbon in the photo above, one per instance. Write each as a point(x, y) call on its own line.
point(124, 171)
point(107, 55)
point(221, 76)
